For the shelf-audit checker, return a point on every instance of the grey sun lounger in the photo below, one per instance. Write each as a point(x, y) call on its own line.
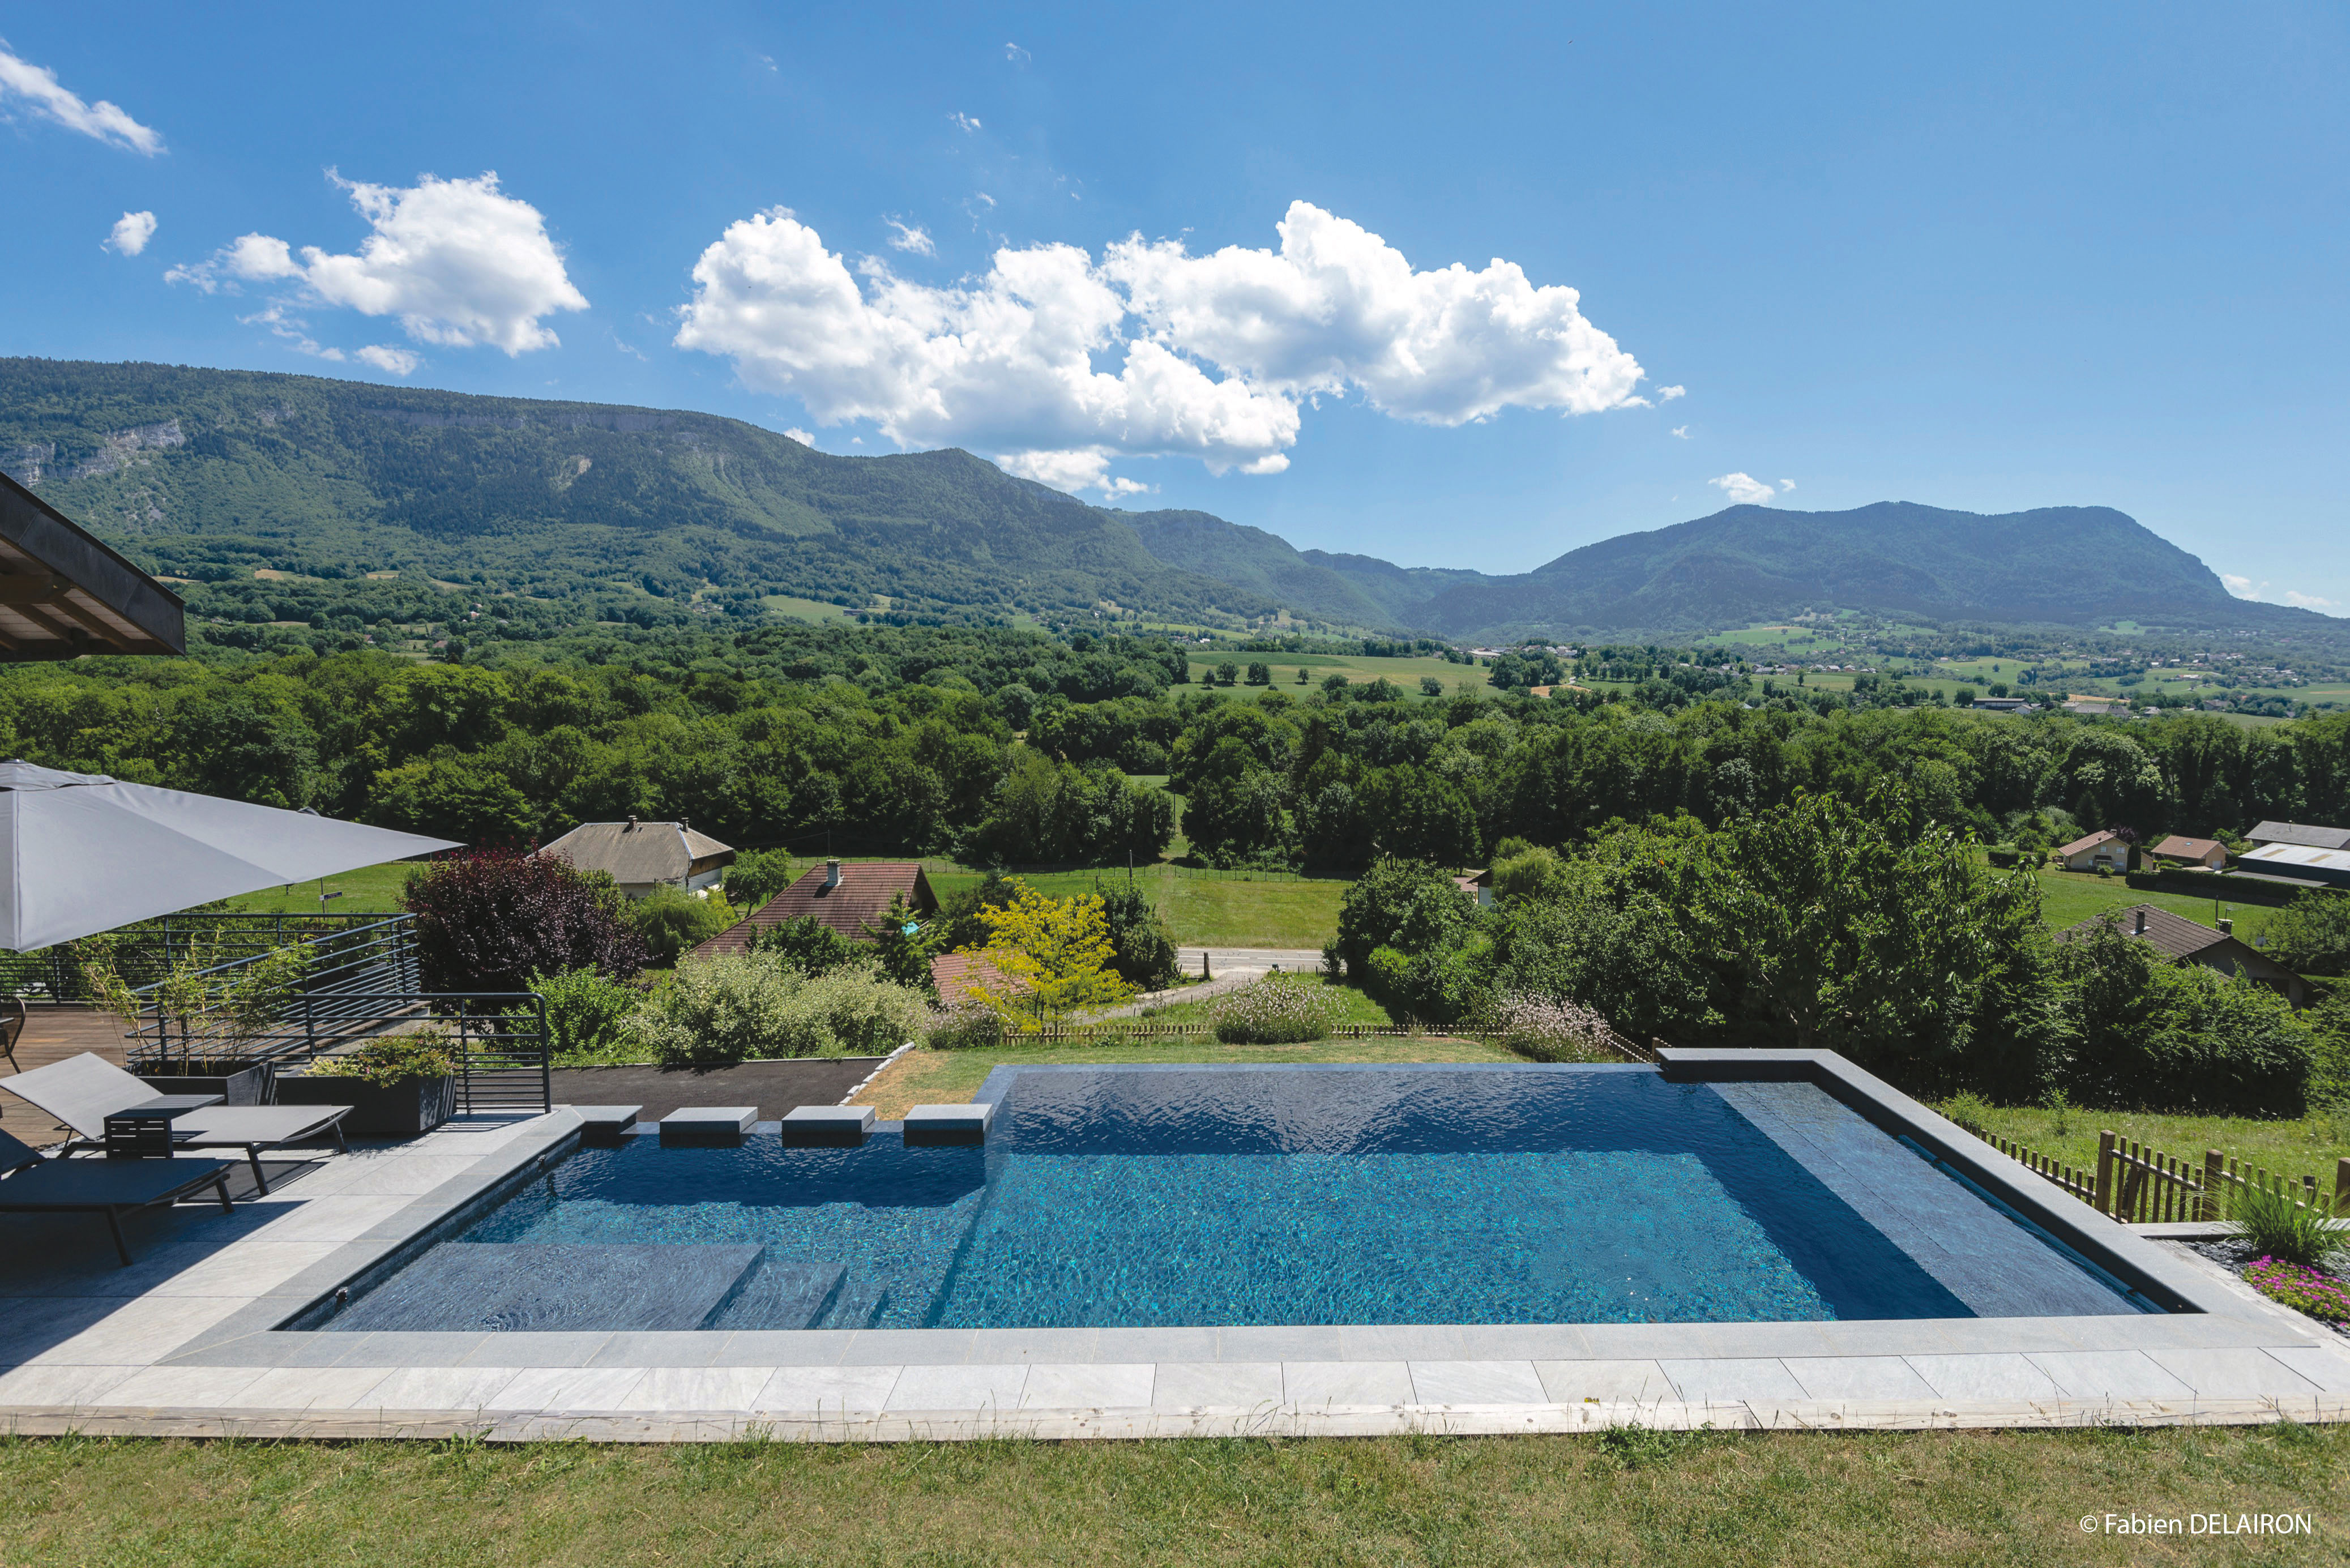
point(82, 1091)
point(32, 1185)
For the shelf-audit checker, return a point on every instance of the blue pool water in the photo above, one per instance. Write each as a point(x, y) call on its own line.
point(1136, 1195)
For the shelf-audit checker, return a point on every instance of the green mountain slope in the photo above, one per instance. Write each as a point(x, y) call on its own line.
point(214, 473)
point(1265, 564)
point(2068, 565)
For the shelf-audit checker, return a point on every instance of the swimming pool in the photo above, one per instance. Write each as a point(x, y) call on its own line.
point(1227, 1196)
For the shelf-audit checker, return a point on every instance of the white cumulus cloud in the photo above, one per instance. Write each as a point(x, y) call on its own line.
point(397, 361)
point(1667, 394)
point(458, 260)
point(2243, 588)
point(1207, 357)
point(1786, 486)
point(911, 237)
point(2306, 601)
point(963, 122)
point(1743, 490)
point(38, 89)
point(130, 232)
point(1016, 55)
point(1682, 431)
point(801, 436)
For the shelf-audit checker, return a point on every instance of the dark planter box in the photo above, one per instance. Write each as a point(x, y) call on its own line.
point(240, 1086)
point(399, 1110)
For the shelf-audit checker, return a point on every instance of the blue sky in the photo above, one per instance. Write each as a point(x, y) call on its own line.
point(1988, 258)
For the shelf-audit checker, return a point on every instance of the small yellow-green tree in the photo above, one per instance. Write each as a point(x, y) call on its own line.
point(1053, 956)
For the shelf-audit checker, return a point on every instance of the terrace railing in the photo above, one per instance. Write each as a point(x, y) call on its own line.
point(145, 952)
point(352, 986)
point(2141, 1186)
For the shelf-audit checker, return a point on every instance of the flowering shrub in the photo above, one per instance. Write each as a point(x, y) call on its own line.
point(1547, 1031)
point(2312, 1291)
point(1271, 1011)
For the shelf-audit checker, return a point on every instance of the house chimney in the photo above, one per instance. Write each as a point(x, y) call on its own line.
point(832, 873)
point(2228, 928)
point(633, 824)
point(2141, 924)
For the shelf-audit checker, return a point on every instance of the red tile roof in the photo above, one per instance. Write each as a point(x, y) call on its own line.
point(2179, 847)
point(2095, 840)
point(862, 897)
point(959, 975)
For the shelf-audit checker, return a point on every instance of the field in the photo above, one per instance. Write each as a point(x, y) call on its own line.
point(1205, 908)
point(2304, 1145)
point(2068, 898)
point(1634, 1497)
point(1361, 671)
point(791, 608)
point(951, 1077)
point(370, 889)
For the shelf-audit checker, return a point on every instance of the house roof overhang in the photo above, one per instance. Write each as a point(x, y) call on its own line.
point(64, 594)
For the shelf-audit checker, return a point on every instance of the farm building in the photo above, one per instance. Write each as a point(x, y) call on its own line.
point(2322, 868)
point(2300, 835)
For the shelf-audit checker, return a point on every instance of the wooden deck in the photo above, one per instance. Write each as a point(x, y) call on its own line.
point(51, 1034)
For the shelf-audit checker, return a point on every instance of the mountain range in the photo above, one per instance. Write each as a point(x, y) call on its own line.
point(218, 473)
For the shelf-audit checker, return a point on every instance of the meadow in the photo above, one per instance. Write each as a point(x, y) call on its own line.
point(1359, 668)
point(1692, 1501)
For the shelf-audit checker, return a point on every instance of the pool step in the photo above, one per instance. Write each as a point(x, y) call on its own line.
point(547, 1287)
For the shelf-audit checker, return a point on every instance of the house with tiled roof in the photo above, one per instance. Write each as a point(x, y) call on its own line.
point(848, 896)
point(2182, 940)
point(2180, 850)
point(2104, 848)
point(643, 856)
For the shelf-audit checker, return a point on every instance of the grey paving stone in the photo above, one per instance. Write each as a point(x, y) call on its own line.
point(1278, 1344)
point(693, 1389)
point(1726, 1381)
point(1857, 1377)
point(438, 1388)
point(1155, 1344)
point(310, 1388)
point(826, 1390)
point(1403, 1342)
point(511, 1348)
point(1033, 1345)
point(784, 1347)
point(2321, 1365)
point(2245, 1373)
point(993, 1387)
point(556, 1389)
point(411, 1349)
point(1217, 1386)
point(1093, 1386)
point(2109, 1374)
point(1477, 1383)
point(682, 1348)
point(1993, 1376)
point(1319, 1385)
point(1607, 1382)
point(162, 1387)
point(56, 1386)
point(908, 1347)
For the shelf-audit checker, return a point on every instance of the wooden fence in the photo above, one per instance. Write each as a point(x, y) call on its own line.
point(2142, 1186)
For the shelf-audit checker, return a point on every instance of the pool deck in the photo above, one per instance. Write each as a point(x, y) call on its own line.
point(186, 1342)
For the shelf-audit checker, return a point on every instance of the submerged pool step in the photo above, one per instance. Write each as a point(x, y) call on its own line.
point(470, 1285)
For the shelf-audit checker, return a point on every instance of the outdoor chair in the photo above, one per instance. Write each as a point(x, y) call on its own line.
point(32, 1185)
point(12, 1025)
point(83, 1092)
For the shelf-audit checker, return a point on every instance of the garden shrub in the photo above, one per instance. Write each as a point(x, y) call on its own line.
point(586, 1013)
point(489, 920)
point(670, 921)
point(1544, 1029)
point(1970, 1110)
point(1142, 950)
point(968, 1026)
point(2311, 934)
point(392, 1059)
point(1431, 985)
point(756, 876)
point(1273, 1010)
point(2163, 1036)
point(740, 1007)
point(810, 946)
point(2273, 1222)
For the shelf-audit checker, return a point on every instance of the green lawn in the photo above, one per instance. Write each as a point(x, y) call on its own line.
point(2068, 898)
point(2306, 1146)
point(373, 889)
point(951, 1077)
point(1223, 909)
point(1355, 1010)
point(1319, 667)
point(1994, 1498)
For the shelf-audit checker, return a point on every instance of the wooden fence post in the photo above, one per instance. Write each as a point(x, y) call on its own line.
point(2215, 1175)
point(2104, 1198)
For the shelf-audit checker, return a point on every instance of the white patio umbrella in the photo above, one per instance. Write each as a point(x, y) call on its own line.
point(85, 853)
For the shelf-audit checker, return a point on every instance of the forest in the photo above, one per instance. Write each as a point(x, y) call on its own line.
point(1016, 747)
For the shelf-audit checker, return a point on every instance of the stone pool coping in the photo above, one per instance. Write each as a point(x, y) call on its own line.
point(173, 1361)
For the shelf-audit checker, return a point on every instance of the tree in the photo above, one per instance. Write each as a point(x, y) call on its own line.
point(1228, 673)
point(1142, 950)
point(488, 919)
point(1431, 686)
point(1053, 956)
point(902, 946)
point(757, 877)
point(2311, 934)
point(1260, 674)
point(670, 920)
point(808, 945)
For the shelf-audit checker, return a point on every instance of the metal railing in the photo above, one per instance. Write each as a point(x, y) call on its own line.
point(350, 976)
point(145, 952)
point(1109, 1032)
